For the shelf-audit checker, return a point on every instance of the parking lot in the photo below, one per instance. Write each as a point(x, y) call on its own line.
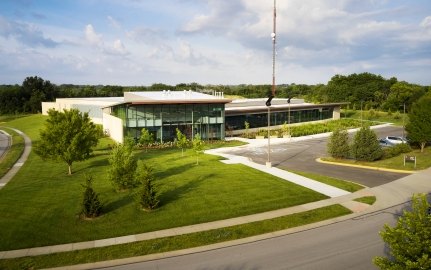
point(301, 156)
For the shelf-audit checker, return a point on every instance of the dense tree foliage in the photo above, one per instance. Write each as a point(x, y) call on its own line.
point(409, 241)
point(419, 125)
point(68, 136)
point(372, 91)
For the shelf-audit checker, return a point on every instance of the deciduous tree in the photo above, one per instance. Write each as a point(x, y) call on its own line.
point(409, 242)
point(182, 141)
point(123, 165)
point(419, 125)
point(198, 146)
point(68, 136)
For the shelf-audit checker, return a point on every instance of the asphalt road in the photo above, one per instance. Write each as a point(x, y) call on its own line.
point(4, 143)
point(350, 244)
point(301, 156)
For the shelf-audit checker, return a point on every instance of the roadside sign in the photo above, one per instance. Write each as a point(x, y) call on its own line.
point(410, 159)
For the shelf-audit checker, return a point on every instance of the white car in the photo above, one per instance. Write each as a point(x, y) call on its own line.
point(395, 139)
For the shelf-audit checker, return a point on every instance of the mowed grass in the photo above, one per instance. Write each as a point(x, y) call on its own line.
point(423, 161)
point(40, 206)
point(176, 242)
point(335, 182)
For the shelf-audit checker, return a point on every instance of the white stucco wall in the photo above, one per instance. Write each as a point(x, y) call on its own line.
point(113, 127)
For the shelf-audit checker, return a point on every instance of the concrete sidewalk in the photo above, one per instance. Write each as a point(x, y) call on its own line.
point(27, 149)
point(288, 176)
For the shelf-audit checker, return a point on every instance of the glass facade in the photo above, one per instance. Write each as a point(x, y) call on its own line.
point(257, 120)
point(162, 120)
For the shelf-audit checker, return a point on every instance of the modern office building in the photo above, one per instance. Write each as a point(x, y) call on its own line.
point(161, 113)
point(191, 112)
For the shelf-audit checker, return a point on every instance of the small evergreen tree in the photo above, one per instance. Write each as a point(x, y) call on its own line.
point(198, 146)
point(338, 144)
point(91, 206)
point(365, 145)
point(147, 195)
point(146, 138)
point(409, 241)
point(182, 141)
point(123, 165)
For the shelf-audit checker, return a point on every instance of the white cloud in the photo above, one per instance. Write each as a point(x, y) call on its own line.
point(92, 37)
point(119, 47)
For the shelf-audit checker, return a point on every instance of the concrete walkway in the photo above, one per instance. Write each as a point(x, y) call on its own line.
point(27, 149)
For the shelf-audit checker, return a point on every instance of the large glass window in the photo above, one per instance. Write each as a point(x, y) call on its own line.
point(163, 120)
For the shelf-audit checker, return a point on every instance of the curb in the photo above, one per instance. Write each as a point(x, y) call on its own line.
point(364, 167)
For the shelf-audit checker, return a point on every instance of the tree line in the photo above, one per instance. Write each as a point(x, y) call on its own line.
point(364, 90)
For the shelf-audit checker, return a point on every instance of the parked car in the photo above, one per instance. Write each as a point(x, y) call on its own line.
point(385, 143)
point(395, 139)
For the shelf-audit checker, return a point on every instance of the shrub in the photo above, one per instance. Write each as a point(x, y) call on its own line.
point(365, 145)
point(397, 115)
point(91, 206)
point(396, 150)
point(338, 144)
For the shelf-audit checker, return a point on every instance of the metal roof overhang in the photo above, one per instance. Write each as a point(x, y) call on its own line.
point(279, 108)
point(178, 101)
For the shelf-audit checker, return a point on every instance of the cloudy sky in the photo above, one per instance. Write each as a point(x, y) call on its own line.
point(141, 42)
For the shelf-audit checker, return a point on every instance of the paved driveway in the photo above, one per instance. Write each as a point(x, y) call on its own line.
point(301, 156)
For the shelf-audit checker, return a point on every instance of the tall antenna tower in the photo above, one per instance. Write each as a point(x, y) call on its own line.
point(273, 36)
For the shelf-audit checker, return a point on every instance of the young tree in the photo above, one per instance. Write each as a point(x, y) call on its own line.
point(419, 127)
point(366, 146)
point(182, 141)
point(123, 165)
point(147, 195)
point(409, 241)
point(198, 146)
point(338, 144)
point(91, 206)
point(146, 138)
point(68, 136)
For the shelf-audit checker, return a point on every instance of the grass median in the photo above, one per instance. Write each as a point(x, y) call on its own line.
point(176, 242)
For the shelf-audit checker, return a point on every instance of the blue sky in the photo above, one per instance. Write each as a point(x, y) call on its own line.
point(141, 42)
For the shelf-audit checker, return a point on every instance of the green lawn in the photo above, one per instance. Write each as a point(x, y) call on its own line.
point(367, 199)
point(335, 182)
point(13, 154)
point(40, 206)
point(175, 242)
point(397, 163)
